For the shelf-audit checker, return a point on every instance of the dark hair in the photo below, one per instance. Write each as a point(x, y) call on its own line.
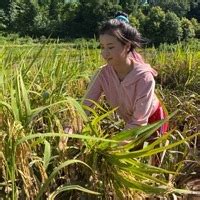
point(124, 32)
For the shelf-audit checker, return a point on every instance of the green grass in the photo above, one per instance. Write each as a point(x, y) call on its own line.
point(41, 86)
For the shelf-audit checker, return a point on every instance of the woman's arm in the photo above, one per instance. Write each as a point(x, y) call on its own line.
point(94, 90)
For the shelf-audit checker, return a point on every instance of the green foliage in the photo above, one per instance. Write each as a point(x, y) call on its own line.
point(4, 5)
point(53, 10)
point(119, 167)
point(180, 8)
point(194, 10)
point(152, 25)
point(75, 19)
point(12, 14)
point(89, 16)
point(3, 20)
point(24, 153)
point(161, 27)
point(134, 22)
point(172, 30)
point(69, 12)
point(22, 17)
point(178, 65)
point(188, 29)
point(196, 27)
point(44, 78)
point(41, 23)
point(130, 6)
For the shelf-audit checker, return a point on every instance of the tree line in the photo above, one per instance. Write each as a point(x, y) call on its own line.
point(158, 20)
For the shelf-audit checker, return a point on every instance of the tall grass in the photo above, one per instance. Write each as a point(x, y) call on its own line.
point(178, 65)
point(41, 89)
point(33, 90)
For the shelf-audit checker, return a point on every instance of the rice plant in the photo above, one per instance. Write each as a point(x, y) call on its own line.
point(41, 89)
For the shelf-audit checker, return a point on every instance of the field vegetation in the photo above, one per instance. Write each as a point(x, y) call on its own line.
point(41, 87)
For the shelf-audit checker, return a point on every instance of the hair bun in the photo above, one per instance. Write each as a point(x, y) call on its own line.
point(121, 16)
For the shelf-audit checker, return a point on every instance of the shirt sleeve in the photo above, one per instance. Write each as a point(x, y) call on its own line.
point(94, 90)
point(145, 88)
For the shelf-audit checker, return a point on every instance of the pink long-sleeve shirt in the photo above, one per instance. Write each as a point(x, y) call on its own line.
point(134, 96)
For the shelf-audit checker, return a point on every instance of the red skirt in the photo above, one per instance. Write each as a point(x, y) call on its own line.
point(158, 115)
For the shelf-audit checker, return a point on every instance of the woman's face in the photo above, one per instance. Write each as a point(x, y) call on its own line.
point(113, 51)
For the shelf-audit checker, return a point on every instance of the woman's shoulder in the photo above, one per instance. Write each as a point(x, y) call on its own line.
point(144, 69)
point(105, 69)
point(102, 72)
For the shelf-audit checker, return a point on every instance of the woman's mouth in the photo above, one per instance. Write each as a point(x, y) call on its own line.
point(109, 59)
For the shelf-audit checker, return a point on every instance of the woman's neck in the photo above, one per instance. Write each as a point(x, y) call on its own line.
point(123, 69)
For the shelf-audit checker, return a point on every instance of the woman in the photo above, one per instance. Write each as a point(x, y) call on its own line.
point(126, 80)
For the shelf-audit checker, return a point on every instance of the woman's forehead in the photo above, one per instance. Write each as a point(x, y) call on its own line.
point(106, 38)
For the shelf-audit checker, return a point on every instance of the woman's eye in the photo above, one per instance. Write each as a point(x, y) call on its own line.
point(110, 47)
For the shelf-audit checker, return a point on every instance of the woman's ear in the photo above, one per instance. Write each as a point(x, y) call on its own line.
point(128, 47)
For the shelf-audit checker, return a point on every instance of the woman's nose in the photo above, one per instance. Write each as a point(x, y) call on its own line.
point(105, 53)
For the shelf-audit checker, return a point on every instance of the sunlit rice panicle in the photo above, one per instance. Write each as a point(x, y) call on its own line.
point(2, 158)
point(75, 118)
point(1, 119)
point(23, 159)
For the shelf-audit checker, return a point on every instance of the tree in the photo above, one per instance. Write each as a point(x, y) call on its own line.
point(41, 23)
point(196, 26)
point(90, 13)
point(194, 11)
point(53, 10)
point(129, 6)
point(43, 2)
point(3, 20)
point(4, 4)
point(188, 29)
point(152, 25)
point(12, 13)
point(69, 12)
point(171, 28)
point(134, 21)
point(24, 18)
point(180, 7)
